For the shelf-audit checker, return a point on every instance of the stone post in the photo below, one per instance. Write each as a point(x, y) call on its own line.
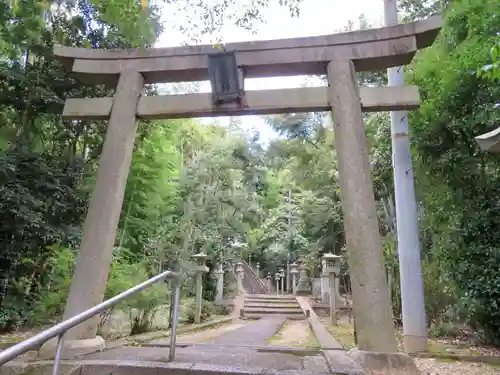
point(200, 269)
point(257, 269)
point(372, 307)
point(325, 282)
point(282, 275)
point(294, 272)
point(269, 282)
point(99, 231)
point(389, 282)
point(288, 278)
point(219, 275)
point(239, 278)
point(277, 278)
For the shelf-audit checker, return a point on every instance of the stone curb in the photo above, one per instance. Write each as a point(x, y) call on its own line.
point(325, 340)
point(336, 358)
point(120, 367)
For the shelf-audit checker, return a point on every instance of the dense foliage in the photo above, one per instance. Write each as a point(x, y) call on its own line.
point(205, 187)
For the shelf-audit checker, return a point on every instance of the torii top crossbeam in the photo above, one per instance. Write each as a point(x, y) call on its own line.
point(369, 50)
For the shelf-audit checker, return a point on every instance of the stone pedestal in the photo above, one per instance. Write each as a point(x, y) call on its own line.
point(304, 284)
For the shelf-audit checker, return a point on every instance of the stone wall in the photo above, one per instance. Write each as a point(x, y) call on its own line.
point(119, 324)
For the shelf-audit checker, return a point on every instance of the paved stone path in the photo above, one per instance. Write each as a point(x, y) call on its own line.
point(254, 333)
point(226, 351)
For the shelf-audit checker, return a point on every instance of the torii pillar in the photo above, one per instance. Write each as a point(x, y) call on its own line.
point(89, 280)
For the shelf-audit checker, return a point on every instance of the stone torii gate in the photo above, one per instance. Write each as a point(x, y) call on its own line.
point(340, 56)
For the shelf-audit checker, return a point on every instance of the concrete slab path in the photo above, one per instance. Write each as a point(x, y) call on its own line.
point(254, 333)
point(226, 351)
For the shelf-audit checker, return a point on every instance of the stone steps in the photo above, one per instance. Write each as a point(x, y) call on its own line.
point(270, 298)
point(274, 305)
point(271, 310)
point(248, 315)
point(260, 306)
point(274, 302)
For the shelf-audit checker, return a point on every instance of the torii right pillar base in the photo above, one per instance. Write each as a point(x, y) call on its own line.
point(72, 348)
point(384, 363)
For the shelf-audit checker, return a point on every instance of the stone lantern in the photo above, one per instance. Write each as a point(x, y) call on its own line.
point(277, 277)
point(269, 282)
point(239, 277)
point(257, 266)
point(330, 283)
point(219, 277)
point(304, 284)
point(294, 271)
point(200, 268)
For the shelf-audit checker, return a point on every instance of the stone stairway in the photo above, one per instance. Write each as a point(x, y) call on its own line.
point(251, 283)
point(258, 306)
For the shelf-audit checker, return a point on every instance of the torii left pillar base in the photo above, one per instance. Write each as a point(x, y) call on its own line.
point(92, 263)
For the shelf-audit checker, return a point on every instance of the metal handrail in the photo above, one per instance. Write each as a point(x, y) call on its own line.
point(61, 328)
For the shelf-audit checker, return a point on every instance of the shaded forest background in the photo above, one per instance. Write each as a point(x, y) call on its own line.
point(202, 187)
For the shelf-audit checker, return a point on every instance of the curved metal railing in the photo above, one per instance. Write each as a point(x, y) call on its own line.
point(59, 330)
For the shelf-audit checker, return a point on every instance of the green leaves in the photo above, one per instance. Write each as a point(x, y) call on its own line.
point(457, 182)
point(492, 70)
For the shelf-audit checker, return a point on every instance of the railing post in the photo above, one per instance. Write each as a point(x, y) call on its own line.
point(57, 358)
point(175, 320)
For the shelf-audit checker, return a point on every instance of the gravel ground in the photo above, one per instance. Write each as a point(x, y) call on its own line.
point(430, 366)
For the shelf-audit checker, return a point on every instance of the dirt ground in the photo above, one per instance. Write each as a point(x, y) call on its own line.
point(343, 333)
point(295, 334)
